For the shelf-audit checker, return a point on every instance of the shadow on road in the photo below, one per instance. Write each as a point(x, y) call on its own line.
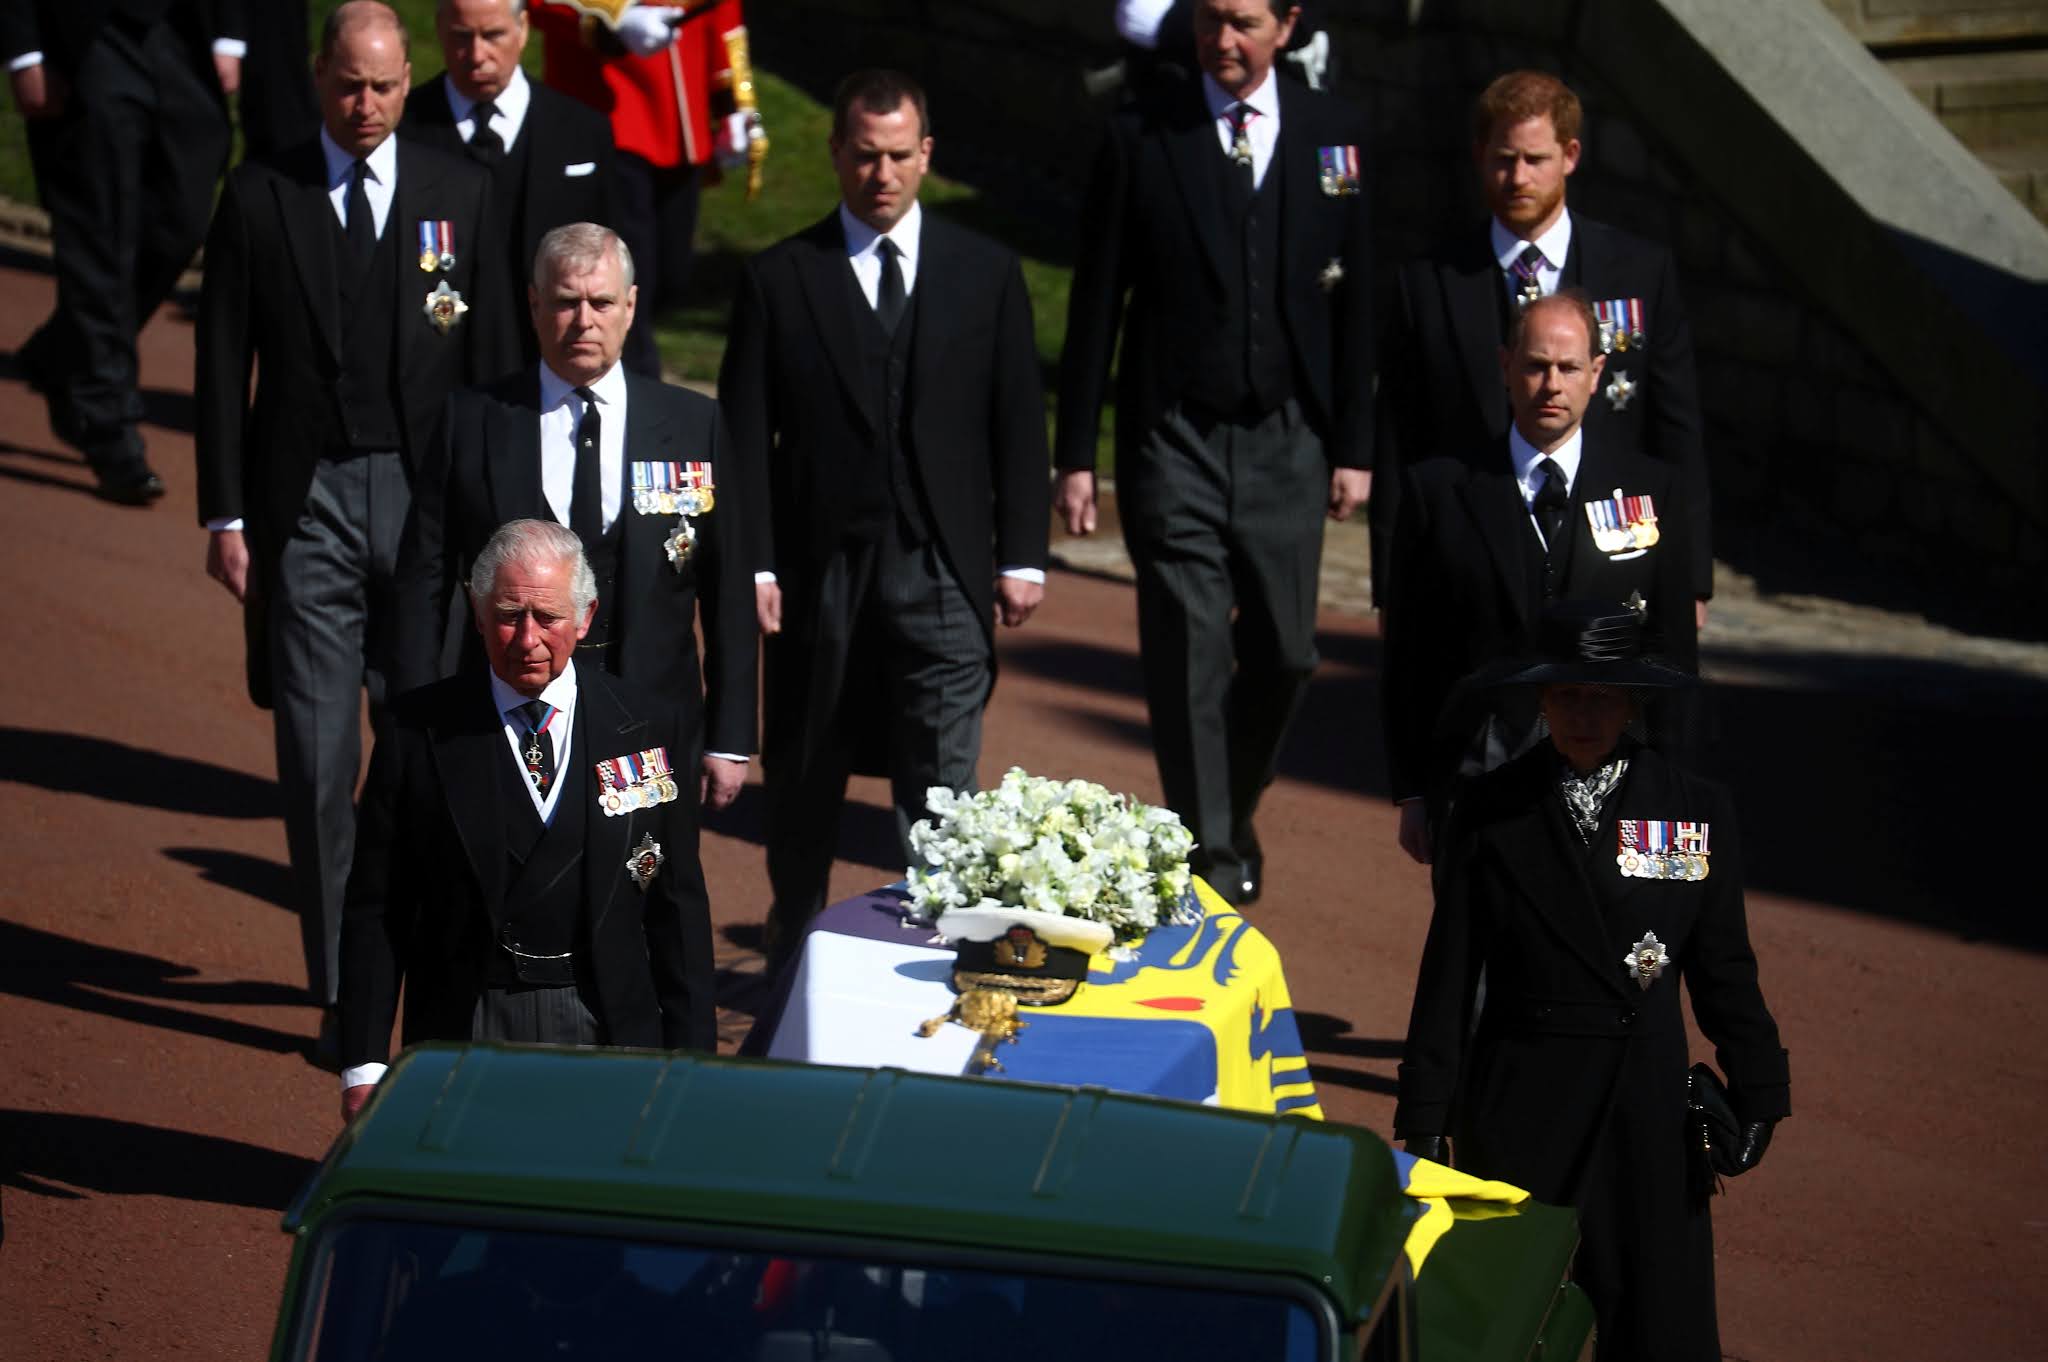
point(40, 479)
point(124, 1158)
point(74, 763)
point(268, 881)
point(867, 833)
point(131, 987)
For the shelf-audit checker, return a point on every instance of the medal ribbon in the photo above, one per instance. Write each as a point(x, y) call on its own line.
point(446, 228)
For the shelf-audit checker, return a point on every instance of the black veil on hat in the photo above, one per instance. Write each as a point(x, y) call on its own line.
point(1578, 642)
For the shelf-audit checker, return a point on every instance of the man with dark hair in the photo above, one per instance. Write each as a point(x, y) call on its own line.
point(882, 388)
point(550, 156)
point(127, 132)
point(1232, 215)
point(637, 468)
point(339, 275)
point(1485, 542)
point(528, 866)
point(1439, 392)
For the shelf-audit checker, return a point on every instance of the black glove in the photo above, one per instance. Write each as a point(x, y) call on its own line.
point(1756, 1138)
point(1436, 1148)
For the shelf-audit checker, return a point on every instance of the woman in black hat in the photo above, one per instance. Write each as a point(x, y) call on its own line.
point(1580, 883)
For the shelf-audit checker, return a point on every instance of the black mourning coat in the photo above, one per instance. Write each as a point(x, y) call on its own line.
point(1441, 391)
point(1467, 588)
point(426, 894)
point(1152, 231)
point(485, 469)
point(802, 414)
point(62, 29)
point(269, 308)
point(566, 174)
point(1573, 1083)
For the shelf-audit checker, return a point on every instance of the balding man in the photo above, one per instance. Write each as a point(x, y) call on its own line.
point(1484, 542)
point(345, 276)
point(550, 156)
point(636, 468)
point(528, 866)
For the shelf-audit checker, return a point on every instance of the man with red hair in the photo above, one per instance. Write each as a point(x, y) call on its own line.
point(677, 84)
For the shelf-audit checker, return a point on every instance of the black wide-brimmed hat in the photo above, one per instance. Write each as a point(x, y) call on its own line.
point(1586, 643)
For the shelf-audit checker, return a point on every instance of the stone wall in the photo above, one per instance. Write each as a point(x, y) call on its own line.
point(1829, 473)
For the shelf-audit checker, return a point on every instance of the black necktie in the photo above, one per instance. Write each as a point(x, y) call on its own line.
point(889, 298)
point(1553, 499)
point(1240, 153)
point(361, 229)
point(537, 752)
point(1525, 277)
point(586, 491)
point(484, 143)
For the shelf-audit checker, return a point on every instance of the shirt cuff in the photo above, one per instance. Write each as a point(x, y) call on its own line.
point(357, 1075)
point(222, 523)
point(1024, 574)
point(230, 47)
point(764, 579)
point(728, 756)
point(25, 60)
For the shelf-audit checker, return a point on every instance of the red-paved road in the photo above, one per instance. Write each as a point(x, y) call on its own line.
point(156, 1112)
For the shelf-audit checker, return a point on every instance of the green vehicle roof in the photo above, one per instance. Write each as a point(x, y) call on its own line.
point(880, 1154)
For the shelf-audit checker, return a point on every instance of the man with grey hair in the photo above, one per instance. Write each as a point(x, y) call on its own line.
point(346, 277)
point(634, 467)
point(551, 157)
point(527, 865)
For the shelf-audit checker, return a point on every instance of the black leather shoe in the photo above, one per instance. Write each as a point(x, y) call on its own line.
point(132, 485)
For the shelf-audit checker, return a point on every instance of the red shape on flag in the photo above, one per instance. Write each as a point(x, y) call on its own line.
point(1172, 1004)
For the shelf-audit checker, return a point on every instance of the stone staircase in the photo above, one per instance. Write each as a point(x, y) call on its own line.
point(1981, 66)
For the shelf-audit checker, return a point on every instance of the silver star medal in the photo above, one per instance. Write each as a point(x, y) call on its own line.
point(1619, 390)
point(1646, 960)
point(645, 862)
point(1331, 275)
point(681, 544)
point(445, 307)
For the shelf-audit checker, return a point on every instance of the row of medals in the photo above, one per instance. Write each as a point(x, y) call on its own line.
point(1662, 865)
point(648, 793)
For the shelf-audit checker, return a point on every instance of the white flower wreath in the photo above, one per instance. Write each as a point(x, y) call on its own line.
point(1056, 846)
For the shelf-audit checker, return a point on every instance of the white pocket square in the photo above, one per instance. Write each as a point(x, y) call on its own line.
point(581, 168)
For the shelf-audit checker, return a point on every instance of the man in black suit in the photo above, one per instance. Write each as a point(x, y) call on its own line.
point(550, 156)
point(1545, 513)
point(1232, 213)
point(277, 103)
point(882, 388)
point(339, 273)
point(647, 494)
point(127, 132)
point(1440, 390)
point(527, 867)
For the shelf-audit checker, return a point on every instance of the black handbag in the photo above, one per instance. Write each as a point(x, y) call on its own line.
point(1712, 1134)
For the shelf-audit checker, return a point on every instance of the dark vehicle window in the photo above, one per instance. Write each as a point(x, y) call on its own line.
point(392, 1291)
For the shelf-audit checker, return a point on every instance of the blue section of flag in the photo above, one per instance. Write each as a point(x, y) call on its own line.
point(1280, 1037)
point(1217, 934)
point(1404, 1166)
point(1163, 1057)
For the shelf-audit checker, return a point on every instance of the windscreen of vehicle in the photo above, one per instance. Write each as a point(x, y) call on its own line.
point(393, 1291)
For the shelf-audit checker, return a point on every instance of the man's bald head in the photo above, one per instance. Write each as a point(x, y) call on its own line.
point(362, 75)
point(345, 19)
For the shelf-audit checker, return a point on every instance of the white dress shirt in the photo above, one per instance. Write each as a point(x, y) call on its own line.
point(1529, 478)
point(861, 240)
point(907, 235)
point(1555, 244)
point(1261, 127)
point(380, 185)
point(512, 103)
point(561, 411)
point(561, 693)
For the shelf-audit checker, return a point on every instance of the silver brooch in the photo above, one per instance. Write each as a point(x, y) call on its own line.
point(645, 862)
point(1646, 959)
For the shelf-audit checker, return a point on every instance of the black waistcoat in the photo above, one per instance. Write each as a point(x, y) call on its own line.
point(1247, 369)
point(367, 390)
point(887, 488)
point(544, 861)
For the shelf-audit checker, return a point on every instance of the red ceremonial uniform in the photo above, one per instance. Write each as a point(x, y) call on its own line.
point(660, 105)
